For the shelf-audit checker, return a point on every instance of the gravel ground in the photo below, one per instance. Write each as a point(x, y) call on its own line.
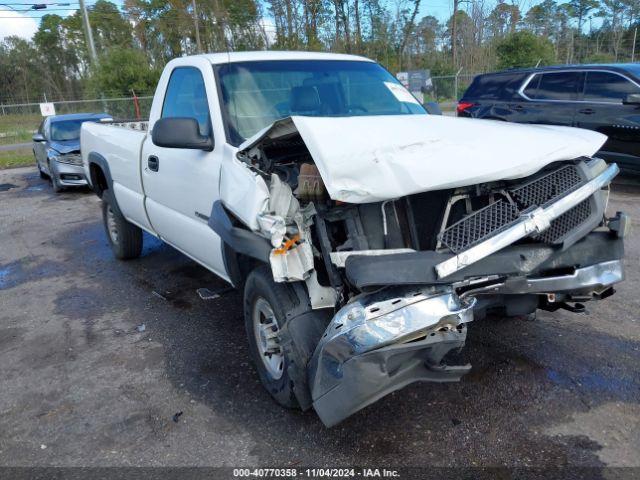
point(83, 385)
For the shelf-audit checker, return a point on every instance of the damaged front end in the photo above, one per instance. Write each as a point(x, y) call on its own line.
point(399, 277)
point(380, 342)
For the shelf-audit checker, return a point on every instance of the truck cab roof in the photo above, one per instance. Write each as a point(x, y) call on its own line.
point(78, 116)
point(233, 57)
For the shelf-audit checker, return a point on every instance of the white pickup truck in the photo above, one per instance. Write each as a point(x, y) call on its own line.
point(365, 233)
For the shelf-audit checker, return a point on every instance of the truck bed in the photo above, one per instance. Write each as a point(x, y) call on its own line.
point(119, 144)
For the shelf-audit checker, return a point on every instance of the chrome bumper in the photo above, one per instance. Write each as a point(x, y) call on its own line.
point(594, 278)
point(382, 342)
point(528, 224)
point(69, 175)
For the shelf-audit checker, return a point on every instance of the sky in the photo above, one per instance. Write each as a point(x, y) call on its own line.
point(24, 24)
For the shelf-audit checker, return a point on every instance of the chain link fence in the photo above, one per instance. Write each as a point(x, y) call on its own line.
point(18, 122)
point(448, 89)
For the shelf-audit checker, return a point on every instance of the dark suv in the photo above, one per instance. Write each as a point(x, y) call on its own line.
point(605, 98)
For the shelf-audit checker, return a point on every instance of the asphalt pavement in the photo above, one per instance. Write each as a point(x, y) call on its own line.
point(110, 363)
point(15, 146)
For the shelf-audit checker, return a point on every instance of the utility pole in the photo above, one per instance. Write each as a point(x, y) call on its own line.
point(633, 48)
point(195, 23)
point(88, 33)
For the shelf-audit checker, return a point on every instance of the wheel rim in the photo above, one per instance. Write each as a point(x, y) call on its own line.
point(266, 330)
point(112, 226)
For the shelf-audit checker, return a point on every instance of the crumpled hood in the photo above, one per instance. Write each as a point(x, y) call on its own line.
point(373, 158)
point(65, 146)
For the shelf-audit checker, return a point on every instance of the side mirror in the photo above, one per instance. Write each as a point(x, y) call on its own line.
point(180, 132)
point(38, 137)
point(632, 99)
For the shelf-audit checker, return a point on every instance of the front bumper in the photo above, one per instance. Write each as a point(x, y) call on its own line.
point(381, 342)
point(69, 175)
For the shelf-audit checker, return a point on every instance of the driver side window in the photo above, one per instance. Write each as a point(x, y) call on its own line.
point(186, 97)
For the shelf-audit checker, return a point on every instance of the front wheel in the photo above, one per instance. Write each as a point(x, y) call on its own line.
point(43, 175)
point(265, 306)
point(55, 184)
point(124, 238)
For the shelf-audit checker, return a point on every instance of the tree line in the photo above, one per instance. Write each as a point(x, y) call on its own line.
point(135, 41)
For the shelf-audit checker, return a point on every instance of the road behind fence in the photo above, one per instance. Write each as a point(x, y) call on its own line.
point(18, 122)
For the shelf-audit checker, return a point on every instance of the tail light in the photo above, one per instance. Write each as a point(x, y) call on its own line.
point(464, 106)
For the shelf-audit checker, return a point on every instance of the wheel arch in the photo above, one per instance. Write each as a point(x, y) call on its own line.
point(99, 174)
point(242, 249)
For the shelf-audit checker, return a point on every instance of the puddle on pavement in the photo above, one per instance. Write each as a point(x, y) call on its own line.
point(7, 186)
point(151, 244)
point(4, 275)
point(26, 270)
point(595, 382)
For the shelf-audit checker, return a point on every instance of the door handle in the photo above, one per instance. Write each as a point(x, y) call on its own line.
point(587, 111)
point(516, 106)
point(153, 162)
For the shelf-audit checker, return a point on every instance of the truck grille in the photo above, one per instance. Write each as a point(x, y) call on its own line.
point(479, 225)
point(541, 190)
point(71, 158)
point(497, 216)
point(566, 222)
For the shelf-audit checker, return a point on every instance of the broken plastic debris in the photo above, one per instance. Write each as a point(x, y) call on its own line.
point(293, 264)
point(206, 294)
point(141, 328)
point(158, 295)
point(177, 416)
point(287, 245)
point(282, 203)
point(274, 226)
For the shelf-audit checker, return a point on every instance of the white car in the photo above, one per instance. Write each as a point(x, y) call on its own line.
point(365, 233)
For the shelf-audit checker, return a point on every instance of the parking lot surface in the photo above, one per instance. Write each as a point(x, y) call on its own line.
point(107, 363)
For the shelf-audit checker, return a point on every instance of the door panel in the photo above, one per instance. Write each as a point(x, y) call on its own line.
point(551, 98)
point(40, 149)
point(181, 185)
point(602, 109)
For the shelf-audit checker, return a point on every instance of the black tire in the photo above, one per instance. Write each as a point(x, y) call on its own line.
point(43, 175)
point(125, 239)
point(260, 285)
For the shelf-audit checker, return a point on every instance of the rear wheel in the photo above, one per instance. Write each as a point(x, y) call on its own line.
point(124, 238)
point(266, 304)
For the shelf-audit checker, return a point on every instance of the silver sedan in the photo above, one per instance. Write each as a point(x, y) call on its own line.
point(56, 147)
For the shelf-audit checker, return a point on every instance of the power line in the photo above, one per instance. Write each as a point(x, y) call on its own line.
point(40, 3)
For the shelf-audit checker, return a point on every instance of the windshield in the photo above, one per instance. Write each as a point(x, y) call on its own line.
point(66, 130)
point(255, 94)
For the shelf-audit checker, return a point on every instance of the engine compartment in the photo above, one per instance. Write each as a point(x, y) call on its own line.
point(317, 234)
